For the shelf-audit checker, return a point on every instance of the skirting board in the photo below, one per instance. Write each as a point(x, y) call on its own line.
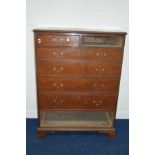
point(31, 113)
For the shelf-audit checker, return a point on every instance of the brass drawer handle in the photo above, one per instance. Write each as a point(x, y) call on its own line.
point(68, 40)
point(100, 101)
point(97, 54)
point(61, 39)
point(97, 102)
point(61, 53)
point(39, 40)
point(54, 68)
point(93, 101)
point(61, 68)
point(53, 39)
point(61, 85)
point(54, 101)
point(102, 69)
point(102, 85)
point(105, 54)
point(54, 53)
point(54, 84)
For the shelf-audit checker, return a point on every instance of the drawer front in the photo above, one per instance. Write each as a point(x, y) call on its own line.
point(57, 40)
point(89, 54)
point(53, 101)
point(102, 41)
point(103, 85)
point(46, 68)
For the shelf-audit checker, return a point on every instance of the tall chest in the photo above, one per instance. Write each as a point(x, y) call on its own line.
point(78, 75)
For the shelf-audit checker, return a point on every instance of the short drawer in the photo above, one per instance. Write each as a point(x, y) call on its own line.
point(88, 54)
point(102, 41)
point(62, 102)
point(57, 40)
point(102, 85)
point(46, 68)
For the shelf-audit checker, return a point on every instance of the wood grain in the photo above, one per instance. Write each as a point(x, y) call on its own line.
point(49, 68)
point(57, 40)
point(101, 85)
point(81, 54)
point(62, 102)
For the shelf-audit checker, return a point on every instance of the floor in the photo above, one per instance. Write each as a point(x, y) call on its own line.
point(77, 143)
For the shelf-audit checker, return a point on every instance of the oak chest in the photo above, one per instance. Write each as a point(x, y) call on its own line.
point(78, 75)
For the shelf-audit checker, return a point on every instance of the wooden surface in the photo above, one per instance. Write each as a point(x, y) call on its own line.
point(57, 40)
point(79, 31)
point(66, 69)
point(77, 71)
point(102, 85)
point(79, 102)
point(92, 54)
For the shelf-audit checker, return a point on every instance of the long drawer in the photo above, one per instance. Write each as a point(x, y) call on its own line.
point(103, 85)
point(57, 40)
point(63, 102)
point(47, 68)
point(89, 54)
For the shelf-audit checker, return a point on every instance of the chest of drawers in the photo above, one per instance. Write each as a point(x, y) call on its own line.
point(77, 75)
